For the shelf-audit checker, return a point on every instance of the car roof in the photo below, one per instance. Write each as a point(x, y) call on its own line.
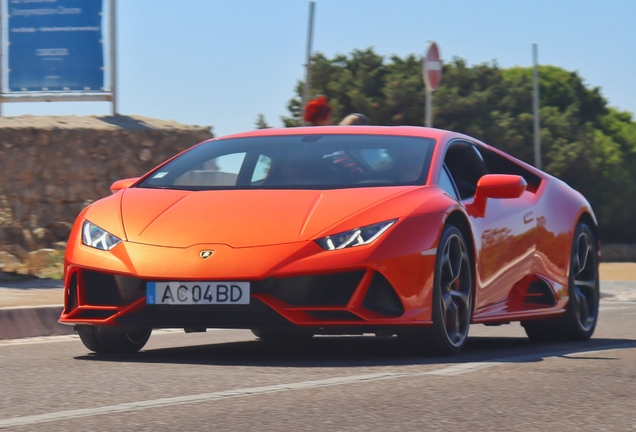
point(415, 131)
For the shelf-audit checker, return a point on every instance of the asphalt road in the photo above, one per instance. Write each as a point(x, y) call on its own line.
point(227, 380)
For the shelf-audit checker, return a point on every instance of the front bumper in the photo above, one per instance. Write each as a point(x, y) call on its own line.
point(388, 283)
point(349, 298)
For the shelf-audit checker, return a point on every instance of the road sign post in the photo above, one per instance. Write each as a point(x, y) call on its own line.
point(432, 69)
point(310, 34)
point(535, 106)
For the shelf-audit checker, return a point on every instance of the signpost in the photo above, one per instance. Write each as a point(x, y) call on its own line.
point(310, 34)
point(54, 51)
point(432, 68)
point(535, 106)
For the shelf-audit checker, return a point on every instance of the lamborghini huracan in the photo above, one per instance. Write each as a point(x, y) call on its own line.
point(406, 231)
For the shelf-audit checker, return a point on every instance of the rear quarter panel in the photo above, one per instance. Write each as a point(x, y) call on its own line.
point(558, 211)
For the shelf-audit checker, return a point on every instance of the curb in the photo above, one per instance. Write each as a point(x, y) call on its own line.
point(34, 321)
point(22, 322)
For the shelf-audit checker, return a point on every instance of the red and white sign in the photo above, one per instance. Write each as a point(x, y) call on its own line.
point(432, 66)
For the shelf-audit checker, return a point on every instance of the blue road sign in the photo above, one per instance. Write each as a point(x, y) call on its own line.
point(55, 45)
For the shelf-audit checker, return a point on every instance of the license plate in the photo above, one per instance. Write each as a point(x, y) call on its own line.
point(189, 293)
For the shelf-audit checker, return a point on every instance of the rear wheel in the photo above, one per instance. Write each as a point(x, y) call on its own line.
point(581, 314)
point(103, 342)
point(452, 299)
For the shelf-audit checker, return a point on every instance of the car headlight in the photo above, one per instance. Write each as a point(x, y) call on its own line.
point(94, 236)
point(355, 237)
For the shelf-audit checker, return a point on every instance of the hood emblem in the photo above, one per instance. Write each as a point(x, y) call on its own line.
point(207, 253)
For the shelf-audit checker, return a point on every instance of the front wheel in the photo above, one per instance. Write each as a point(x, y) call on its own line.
point(581, 314)
point(452, 299)
point(103, 342)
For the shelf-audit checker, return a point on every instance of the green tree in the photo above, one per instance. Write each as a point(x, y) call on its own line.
point(261, 123)
point(352, 83)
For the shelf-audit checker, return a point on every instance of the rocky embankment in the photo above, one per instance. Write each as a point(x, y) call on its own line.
point(52, 167)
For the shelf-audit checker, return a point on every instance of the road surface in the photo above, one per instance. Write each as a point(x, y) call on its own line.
point(228, 380)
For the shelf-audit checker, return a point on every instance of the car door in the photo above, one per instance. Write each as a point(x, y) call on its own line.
point(504, 236)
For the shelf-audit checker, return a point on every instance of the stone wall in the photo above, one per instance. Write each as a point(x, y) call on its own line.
point(52, 167)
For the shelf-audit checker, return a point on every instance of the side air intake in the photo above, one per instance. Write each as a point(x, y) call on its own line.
point(539, 293)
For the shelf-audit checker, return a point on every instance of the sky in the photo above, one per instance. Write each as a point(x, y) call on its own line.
point(222, 63)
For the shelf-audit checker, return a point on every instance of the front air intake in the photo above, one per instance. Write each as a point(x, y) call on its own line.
point(382, 298)
point(71, 294)
point(103, 289)
point(330, 290)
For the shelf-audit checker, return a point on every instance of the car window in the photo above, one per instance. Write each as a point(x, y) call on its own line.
point(498, 164)
point(466, 166)
point(446, 183)
point(379, 159)
point(261, 170)
point(218, 171)
point(298, 162)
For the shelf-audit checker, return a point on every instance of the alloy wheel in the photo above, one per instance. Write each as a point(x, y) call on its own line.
point(585, 272)
point(455, 285)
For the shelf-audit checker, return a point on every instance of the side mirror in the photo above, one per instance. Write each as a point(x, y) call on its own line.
point(123, 184)
point(500, 186)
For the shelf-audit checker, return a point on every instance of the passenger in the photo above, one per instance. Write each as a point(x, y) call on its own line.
point(355, 119)
point(318, 112)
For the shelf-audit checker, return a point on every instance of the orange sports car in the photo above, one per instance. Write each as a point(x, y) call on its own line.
point(404, 231)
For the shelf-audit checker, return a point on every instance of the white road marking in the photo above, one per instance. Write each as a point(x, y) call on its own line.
point(609, 308)
point(180, 400)
point(38, 340)
point(32, 307)
point(461, 368)
point(68, 338)
point(452, 370)
point(632, 303)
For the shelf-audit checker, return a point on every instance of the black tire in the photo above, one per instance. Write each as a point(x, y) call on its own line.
point(581, 315)
point(452, 299)
point(113, 343)
point(277, 334)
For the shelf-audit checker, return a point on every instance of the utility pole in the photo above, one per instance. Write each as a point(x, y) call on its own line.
point(310, 34)
point(113, 55)
point(535, 103)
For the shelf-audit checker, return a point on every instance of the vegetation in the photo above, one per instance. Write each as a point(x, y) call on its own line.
point(584, 142)
point(261, 123)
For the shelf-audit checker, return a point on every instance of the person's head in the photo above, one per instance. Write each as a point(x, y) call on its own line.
point(318, 112)
point(355, 119)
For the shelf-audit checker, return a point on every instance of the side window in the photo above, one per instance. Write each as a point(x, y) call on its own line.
point(466, 166)
point(220, 171)
point(446, 183)
point(261, 170)
point(498, 164)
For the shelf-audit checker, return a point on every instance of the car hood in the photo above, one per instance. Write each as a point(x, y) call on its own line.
point(240, 218)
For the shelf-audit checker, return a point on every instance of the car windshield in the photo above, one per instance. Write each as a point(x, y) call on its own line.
point(298, 162)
